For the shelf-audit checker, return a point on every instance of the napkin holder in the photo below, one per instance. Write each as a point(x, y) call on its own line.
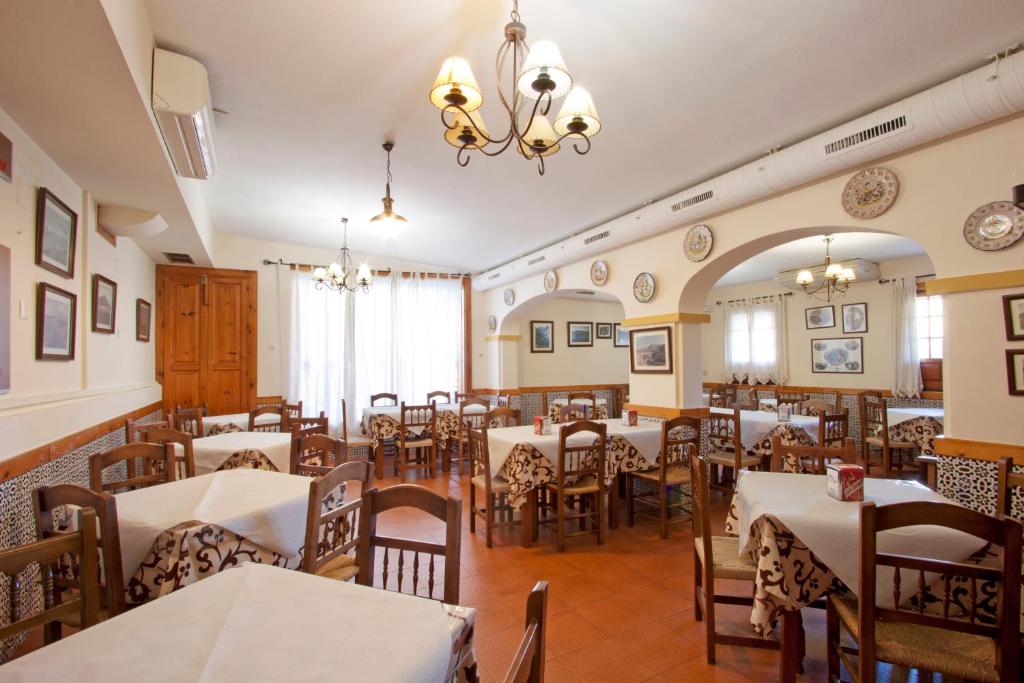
point(784, 411)
point(630, 417)
point(541, 425)
point(845, 482)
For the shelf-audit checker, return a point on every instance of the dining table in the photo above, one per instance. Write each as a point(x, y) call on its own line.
point(232, 450)
point(261, 623)
point(919, 426)
point(383, 423)
point(757, 427)
point(236, 422)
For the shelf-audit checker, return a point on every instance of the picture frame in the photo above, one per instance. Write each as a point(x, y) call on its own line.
point(650, 351)
point(143, 319)
point(1013, 315)
point(104, 304)
point(820, 317)
point(56, 317)
point(542, 336)
point(56, 234)
point(579, 334)
point(603, 330)
point(838, 356)
point(1015, 371)
point(620, 336)
point(855, 318)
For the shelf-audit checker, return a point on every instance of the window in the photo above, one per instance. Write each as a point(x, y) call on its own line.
point(928, 313)
point(753, 342)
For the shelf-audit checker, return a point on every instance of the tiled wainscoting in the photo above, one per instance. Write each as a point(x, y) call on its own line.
point(972, 483)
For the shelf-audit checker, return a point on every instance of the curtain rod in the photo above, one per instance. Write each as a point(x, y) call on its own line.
point(885, 281)
point(305, 267)
point(756, 299)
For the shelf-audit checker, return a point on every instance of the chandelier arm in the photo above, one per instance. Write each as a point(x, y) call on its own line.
point(574, 146)
point(533, 113)
point(540, 165)
point(504, 145)
point(460, 159)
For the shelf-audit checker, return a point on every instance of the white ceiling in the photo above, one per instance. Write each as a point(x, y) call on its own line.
point(810, 251)
point(686, 90)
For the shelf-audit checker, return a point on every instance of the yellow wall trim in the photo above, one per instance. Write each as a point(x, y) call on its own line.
point(972, 283)
point(503, 337)
point(676, 317)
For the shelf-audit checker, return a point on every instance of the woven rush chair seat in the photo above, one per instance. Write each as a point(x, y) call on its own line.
point(727, 561)
point(341, 568)
point(726, 458)
point(498, 484)
point(925, 647)
point(878, 441)
point(673, 475)
point(585, 485)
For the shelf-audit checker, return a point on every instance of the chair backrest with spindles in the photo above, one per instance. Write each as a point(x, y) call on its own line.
point(305, 426)
point(315, 455)
point(474, 418)
point(384, 396)
point(502, 417)
point(575, 411)
point(188, 420)
point(292, 410)
point(446, 509)
point(584, 397)
point(480, 455)
point(811, 459)
point(158, 466)
point(833, 428)
point(815, 407)
point(872, 411)
point(134, 430)
point(422, 416)
point(582, 459)
point(186, 466)
point(204, 408)
point(676, 434)
point(434, 395)
point(503, 400)
point(332, 526)
point(724, 433)
point(528, 662)
point(283, 426)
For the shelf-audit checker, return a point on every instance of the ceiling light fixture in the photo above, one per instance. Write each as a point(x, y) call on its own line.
point(835, 281)
point(539, 74)
point(341, 275)
point(388, 215)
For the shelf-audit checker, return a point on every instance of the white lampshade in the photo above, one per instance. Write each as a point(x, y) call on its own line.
point(578, 108)
point(539, 133)
point(455, 79)
point(544, 58)
point(804, 277)
point(363, 274)
point(848, 274)
point(461, 124)
point(833, 270)
point(319, 274)
point(334, 270)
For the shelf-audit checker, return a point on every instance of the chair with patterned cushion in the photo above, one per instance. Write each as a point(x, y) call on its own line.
point(579, 477)
point(528, 662)
point(189, 420)
point(433, 397)
point(468, 420)
point(875, 428)
point(416, 447)
point(727, 453)
point(502, 417)
point(716, 557)
point(315, 455)
point(494, 489)
point(134, 430)
point(282, 425)
point(383, 396)
point(186, 460)
point(332, 530)
point(887, 621)
point(811, 459)
point(671, 472)
point(158, 467)
point(833, 428)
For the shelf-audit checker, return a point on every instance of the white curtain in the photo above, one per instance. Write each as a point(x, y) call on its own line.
point(907, 381)
point(755, 340)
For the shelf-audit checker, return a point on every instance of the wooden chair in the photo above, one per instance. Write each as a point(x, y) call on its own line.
point(135, 430)
point(46, 501)
point(292, 410)
point(186, 462)
point(833, 429)
point(587, 398)
point(528, 663)
point(204, 408)
point(315, 455)
point(579, 476)
point(744, 406)
point(952, 643)
point(815, 406)
point(671, 472)
point(434, 395)
point(47, 553)
point(460, 396)
point(811, 459)
point(383, 397)
point(446, 509)
point(189, 420)
point(158, 466)
point(332, 530)
point(1008, 480)
point(352, 440)
point(572, 413)
point(716, 557)
point(494, 489)
point(875, 428)
point(467, 421)
point(416, 447)
point(502, 417)
point(284, 425)
point(307, 426)
point(503, 400)
point(795, 401)
point(724, 433)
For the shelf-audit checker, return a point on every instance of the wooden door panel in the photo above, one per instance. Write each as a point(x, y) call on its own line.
point(225, 391)
point(185, 322)
point(185, 388)
point(226, 331)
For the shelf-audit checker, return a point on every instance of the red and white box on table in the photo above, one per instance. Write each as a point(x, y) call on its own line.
point(845, 482)
point(629, 417)
point(541, 425)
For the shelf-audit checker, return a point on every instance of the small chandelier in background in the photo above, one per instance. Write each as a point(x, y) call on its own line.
point(834, 283)
point(341, 275)
point(388, 216)
point(539, 74)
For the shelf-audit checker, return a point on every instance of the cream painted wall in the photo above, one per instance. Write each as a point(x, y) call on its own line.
point(878, 340)
point(111, 374)
point(602, 363)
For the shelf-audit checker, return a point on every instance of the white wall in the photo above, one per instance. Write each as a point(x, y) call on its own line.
point(602, 363)
point(878, 340)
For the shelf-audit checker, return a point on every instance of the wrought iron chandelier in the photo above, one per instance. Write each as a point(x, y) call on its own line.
point(538, 74)
point(835, 281)
point(341, 275)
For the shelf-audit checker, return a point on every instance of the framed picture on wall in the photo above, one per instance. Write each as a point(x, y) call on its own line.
point(844, 355)
point(1015, 371)
point(820, 317)
point(55, 323)
point(56, 229)
point(621, 335)
point(143, 312)
point(542, 336)
point(603, 330)
point(855, 318)
point(104, 304)
point(580, 334)
point(1013, 312)
point(650, 350)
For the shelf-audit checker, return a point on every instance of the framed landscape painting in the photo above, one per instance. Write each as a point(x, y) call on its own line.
point(650, 350)
point(56, 229)
point(603, 330)
point(844, 355)
point(143, 313)
point(542, 336)
point(620, 336)
point(820, 317)
point(580, 334)
point(104, 304)
point(55, 323)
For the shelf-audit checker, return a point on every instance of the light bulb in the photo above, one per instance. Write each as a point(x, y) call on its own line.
point(849, 275)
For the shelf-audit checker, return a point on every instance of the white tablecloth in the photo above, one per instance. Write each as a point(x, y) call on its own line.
point(239, 419)
point(897, 415)
point(831, 528)
point(757, 424)
point(211, 451)
point(256, 623)
point(645, 438)
point(268, 508)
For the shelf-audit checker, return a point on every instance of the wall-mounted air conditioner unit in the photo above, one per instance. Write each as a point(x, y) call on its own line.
point(181, 103)
point(865, 271)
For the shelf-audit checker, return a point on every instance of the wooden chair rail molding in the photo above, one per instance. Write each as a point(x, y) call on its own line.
point(667, 412)
point(551, 389)
point(29, 460)
point(978, 450)
point(926, 395)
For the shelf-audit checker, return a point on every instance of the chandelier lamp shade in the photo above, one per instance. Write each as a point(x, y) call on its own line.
point(834, 282)
point(388, 215)
point(341, 275)
point(536, 76)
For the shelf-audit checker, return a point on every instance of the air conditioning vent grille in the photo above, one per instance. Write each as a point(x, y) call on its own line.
point(173, 257)
point(695, 199)
point(494, 276)
point(598, 236)
point(843, 144)
point(536, 260)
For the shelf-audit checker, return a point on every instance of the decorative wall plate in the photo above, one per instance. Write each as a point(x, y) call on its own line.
point(994, 226)
point(697, 243)
point(599, 273)
point(550, 281)
point(871, 192)
point(492, 323)
point(510, 296)
point(643, 287)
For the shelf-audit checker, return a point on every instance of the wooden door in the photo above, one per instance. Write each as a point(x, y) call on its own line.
point(206, 338)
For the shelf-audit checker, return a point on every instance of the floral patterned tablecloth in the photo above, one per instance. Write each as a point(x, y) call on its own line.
point(382, 427)
point(919, 430)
